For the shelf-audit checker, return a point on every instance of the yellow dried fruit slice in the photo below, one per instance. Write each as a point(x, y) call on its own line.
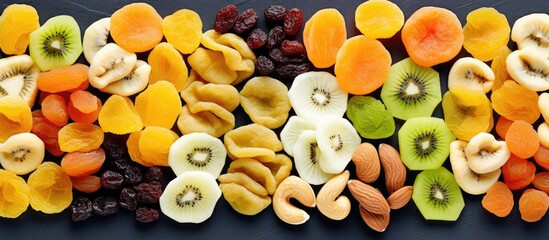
point(256, 171)
point(252, 141)
point(50, 188)
point(245, 181)
point(159, 105)
point(183, 29)
point(243, 200)
point(133, 149)
point(237, 54)
point(211, 66)
point(81, 137)
point(167, 64)
point(467, 112)
point(16, 24)
point(198, 94)
point(485, 32)
point(378, 19)
point(119, 116)
point(266, 101)
point(215, 121)
point(280, 167)
point(499, 67)
point(154, 145)
point(15, 117)
point(14, 195)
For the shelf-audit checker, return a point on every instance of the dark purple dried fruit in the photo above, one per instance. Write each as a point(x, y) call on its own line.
point(225, 19)
point(257, 38)
point(275, 13)
point(293, 21)
point(128, 199)
point(276, 36)
point(115, 145)
point(154, 174)
point(264, 66)
point(292, 47)
point(245, 21)
point(111, 180)
point(148, 192)
point(276, 55)
point(120, 164)
point(104, 206)
point(81, 209)
point(147, 215)
point(290, 71)
point(133, 174)
point(297, 59)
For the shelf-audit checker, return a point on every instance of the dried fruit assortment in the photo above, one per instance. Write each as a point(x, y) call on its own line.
point(100, 135)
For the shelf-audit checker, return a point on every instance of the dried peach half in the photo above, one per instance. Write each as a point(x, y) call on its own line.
point(266, 101)
point(183, 29)
point(16, 24)
point(167, 64)
point(136, 27)
point(323, 35)
point(485, 31)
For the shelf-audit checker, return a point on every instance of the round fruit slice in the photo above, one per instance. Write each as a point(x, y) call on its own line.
point(485, 154)
point(424, 143)
point(57, 43)
point(136, 27)
point(471, 73)
point(378, 18)
point(190, 197)
point(467, 112)
point(197, 152)
point(485, 32)
point(370, 118)
point(531, 31)
point(292, 130)
point(307, 158)
point(18, 77)
point(337, 140)
point(323, 35)
point(22, 153)
point(437, 195)
point(50, 188)
point(16, 23)
point(529, 68)
point(316, 94)
point(95, 37)
point(183, 29)
point(14, 195)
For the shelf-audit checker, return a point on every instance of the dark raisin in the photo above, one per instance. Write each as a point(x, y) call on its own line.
point(104, 206)
point(148, 192)
point(147, 215)
point(133, 174)
point(111, 180)
point(257, 38)
point(81, 209)
point(120, 164)
point(293, 21)
point(297, 59)
point(290, 71)
point(128, 199)
point(115, 145)
point(275, 13)
point(292, 47)
point(154, 174)
point(264, 66)
point(276, 36)
point(276, 55)
point(225, 19)
point(245, 21)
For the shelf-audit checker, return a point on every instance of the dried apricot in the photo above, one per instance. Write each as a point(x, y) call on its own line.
point(119, 116)
point(183, 29)
point(542, 157)
point(136, 27)
point(133, 149)
point(498, 200)
point(50, 188)
point(502, 126)
point(323, 35)
point(541, 181)
point(518, 173)
point(522, 139)
point(78, 164)
point(54, 108)
point(47, 131)
point(378, 18)
point(80, 137)
point(499, 67)
point(533, 205)
point(84, 107)
point(159, 105)
point(516, 102)
point(64, 79)
point(167, 64)
point(16, 24)
point(86, 184)
point(14, 194)
point(266, 101)
point(155, 143)
point(467, 112)
point(211, 66)
point(485, 31)
point(15, 117)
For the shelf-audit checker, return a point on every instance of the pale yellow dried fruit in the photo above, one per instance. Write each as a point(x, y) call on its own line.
point(242, 200)
point(252, 141)
point(266, 101)
point(245, 181)
point(255, 170)
point(281, 167)
point(198, 94)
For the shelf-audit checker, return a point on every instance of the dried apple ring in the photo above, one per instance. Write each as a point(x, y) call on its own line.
point(252, 141)
point(256, 171)
point(266, 101)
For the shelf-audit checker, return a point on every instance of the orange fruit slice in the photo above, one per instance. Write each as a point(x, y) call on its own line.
point(378, 18)
point(323, 35)
point(136, 27)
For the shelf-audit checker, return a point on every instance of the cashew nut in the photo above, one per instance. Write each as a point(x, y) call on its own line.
point(297, 188)
point(329, 201)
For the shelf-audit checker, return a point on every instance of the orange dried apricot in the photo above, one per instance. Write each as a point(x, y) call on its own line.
point(499, 67)
point(183, 29)
point(159, 105)
point(498, 200)
point(167, 64)
point(80, 137)
point(541, 181)
point(14, 194)
point(86, 184)
point(136, 27)
point(518, 173)
point(47, 131)
point(133, 149)
point(54, 108)
point(533, 205)
point(516, 102)
point(84, 107)
point(522, 139)
point(155, 143)
point(502, 126)
point(63, 79)
point(15, 117)
point(119, 116)
point(79, 164)
point(323, 35)
point(378, 18)
point(16, 24)
point(50, 188)
point(485, 31)
point(542, 157)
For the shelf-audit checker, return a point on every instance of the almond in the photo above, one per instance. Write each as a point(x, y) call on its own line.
point(367, 163)
point(369, 197)
point(393, 168)
point(400, 197)
point(377, 222)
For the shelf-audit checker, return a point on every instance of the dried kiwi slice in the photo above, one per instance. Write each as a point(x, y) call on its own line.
point(370, 118)
point(437, 195)
point(424, 143)
point(411, 90)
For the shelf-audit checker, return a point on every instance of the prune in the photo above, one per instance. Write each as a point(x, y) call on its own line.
point(81, 209)
point(115, 145)
point(154, 174)
point(133, 174)
point(128, 199)
point(120, 164)
point(276, 36)
point(225, 19)
point(104, 206)
point(290, 71)
point(264, 66)
point(245, 21)
point(147, 215)
point(257, 38)
point(111, 180)
point(293, 21)
point(148, 192)
point(292, 47)
point(275, 13)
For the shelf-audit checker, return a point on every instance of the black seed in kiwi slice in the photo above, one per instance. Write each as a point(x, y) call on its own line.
point(411, 90)
point(437, 195)
point(55, 44)
point(424, 143)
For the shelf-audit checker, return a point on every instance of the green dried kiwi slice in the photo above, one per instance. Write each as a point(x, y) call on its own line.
point(370, 118)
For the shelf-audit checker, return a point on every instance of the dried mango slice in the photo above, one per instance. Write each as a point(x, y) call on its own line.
point(167, 64)
point(16, 24)
point(183, 29)
point(80, 137)
point(14, 197)
point(252, 141)
point(467, 112)
point(266, 101)
point(15, 117)
point(50, 188)
point(485, 32)
point(159, 105)
point(119, 116)
point(154, 144)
